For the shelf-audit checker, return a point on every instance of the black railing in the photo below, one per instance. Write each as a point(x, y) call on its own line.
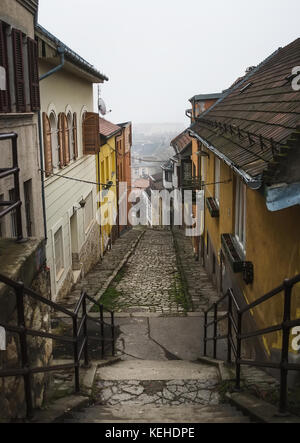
point(6, 172)
point(79, 339)
point(235, 335)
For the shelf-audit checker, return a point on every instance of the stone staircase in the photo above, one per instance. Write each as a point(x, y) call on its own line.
point(142, 391)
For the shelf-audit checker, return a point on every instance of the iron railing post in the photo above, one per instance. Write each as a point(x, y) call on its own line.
point(102, 331)
point(215, 329)
point(229, 354)
point(113, 333)
point(205, 334)
point(17, 188)
point(285, 348)
point(24, 350)
point(76, 354)
point(85, 333)
point(239, 352)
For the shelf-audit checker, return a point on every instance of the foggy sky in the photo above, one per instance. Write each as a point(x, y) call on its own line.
point(159, 53)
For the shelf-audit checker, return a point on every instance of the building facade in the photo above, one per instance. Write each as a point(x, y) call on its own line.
point(124, 174)
point(250, 164)
point(107, 178)
point(70, 141)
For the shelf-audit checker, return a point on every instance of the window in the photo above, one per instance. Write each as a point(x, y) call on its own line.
point(240, 213)
point(217, 180)
point(54, 140)
point(88, 211)
point(19, 58)
point(168, 176)
point(13, 214)
point(59, 253)
point(71, 135)
point(28, 206)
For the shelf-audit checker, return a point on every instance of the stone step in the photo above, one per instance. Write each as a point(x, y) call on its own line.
point(153, 414)
point(159, 370)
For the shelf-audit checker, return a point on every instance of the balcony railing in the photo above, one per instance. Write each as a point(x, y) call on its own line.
point(193, 183)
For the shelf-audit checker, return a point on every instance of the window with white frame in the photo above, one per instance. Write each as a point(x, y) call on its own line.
point(240, 213)
point(88, 211)
point(217, 180)
point(59, 252)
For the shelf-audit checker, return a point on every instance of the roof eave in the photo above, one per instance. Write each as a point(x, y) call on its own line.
point(254, 183)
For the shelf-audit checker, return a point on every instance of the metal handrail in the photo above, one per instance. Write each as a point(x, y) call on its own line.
point(234, 330)
point(15, 171)
point(80, 338)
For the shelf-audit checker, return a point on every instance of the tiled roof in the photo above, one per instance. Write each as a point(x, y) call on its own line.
point(182, 141)
point(108, 129)
point(253, 124)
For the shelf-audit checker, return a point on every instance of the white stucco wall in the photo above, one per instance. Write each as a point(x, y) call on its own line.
point(59, 93)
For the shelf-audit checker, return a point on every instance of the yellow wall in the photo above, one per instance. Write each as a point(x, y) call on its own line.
point(106, 171)
point(272, 245)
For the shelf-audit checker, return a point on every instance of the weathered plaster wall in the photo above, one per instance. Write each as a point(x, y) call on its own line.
point(27, 266)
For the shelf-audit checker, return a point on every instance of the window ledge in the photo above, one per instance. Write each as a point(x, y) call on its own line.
point(237, 262)
point(16, 115)
point(213, 207)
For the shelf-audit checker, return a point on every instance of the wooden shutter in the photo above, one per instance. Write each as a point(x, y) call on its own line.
point(47, 145)
point(75, 138)
point(66, 140)
point(4, 95)
point(60, 140)
point(91, 134)
point(17, 38)
point(34, 85)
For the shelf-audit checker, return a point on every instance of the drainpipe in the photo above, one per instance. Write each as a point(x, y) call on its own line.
point(61, 52)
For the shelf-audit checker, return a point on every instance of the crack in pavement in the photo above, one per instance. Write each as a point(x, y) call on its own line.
point(167, 353)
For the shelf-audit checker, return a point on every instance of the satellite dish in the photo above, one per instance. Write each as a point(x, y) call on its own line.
point(102, 106)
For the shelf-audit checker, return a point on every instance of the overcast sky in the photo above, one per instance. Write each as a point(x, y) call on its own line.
point(159, 53)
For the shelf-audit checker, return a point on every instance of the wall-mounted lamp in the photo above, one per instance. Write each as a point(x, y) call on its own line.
point(82, 204)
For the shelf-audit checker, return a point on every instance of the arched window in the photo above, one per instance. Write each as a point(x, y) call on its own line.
point(70, 134)
point(54, 140)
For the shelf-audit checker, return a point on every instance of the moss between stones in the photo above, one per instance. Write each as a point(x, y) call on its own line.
point(110, 298)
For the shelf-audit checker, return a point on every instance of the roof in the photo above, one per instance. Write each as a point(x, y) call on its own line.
point(123, 125)
point(108, 129)
point(31, 5)
point(182, 141)
point(200, 97)
point(71, 55)
point(254, 126)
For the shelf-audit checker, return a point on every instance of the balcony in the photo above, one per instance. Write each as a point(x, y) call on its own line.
point(192, 184)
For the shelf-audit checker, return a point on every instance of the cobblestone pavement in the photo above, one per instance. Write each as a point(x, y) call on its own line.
point(152, 281)
point(201, 290)
point(101, 273)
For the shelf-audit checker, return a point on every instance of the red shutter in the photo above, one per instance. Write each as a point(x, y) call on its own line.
point(91, 134)
point(66, 140)
point(4, 95)
point(60, 140)
point(17, 38)
point(34, 85)
point(75, 138)
point(47, 145)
